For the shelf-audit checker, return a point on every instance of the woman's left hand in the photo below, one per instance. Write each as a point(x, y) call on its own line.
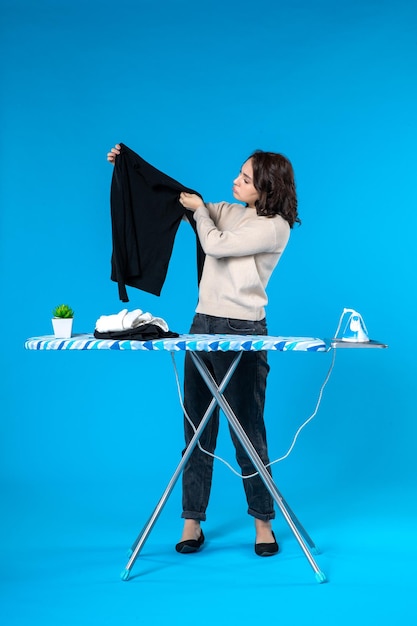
point(190, 200)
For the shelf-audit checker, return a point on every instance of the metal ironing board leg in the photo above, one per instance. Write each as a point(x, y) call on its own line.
point(302, 530)
point(145, 532)
point(257, 462)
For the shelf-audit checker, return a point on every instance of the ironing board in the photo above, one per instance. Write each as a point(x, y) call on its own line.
point(209, 343)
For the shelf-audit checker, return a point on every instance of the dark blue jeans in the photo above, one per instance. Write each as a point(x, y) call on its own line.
point(245, 393)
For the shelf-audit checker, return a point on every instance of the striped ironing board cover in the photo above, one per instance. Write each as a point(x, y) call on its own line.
point(195, 343)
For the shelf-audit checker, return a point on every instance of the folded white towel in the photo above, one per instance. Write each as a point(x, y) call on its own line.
point(130, 320)
point(111, 322)
point(156, 321)
point(126, 320)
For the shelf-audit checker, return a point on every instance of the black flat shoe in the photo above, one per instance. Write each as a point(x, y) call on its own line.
point(190, 545)
point(267, 549)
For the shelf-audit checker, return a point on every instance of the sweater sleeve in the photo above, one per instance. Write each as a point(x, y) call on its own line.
point(255, 236)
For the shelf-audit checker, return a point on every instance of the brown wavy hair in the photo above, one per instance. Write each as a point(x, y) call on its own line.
point(273, 179)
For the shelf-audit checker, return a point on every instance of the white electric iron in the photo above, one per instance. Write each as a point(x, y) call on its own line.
point(351, 327)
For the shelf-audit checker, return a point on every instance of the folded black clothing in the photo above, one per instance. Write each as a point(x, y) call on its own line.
point(145, 332)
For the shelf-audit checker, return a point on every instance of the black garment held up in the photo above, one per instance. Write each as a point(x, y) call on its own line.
point(145, 216)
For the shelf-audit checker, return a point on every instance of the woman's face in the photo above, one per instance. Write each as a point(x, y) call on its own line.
point(243, 188)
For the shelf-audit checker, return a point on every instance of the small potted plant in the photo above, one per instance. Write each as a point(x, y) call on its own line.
point(63, 317)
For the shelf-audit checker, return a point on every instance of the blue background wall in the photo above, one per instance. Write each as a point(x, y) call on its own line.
point(88, 441)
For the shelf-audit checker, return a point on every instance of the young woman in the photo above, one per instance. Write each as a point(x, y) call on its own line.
point(243, 243)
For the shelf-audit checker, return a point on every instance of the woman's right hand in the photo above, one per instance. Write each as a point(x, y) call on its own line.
point(111, 156)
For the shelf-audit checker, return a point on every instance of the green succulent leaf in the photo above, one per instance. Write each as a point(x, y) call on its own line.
point(63, 311)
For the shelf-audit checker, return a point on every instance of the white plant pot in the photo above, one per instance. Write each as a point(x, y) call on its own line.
point(62, 327)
